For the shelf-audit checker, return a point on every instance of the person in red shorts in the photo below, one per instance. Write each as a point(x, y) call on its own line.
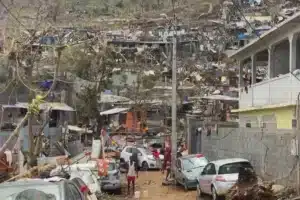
point(131, 176)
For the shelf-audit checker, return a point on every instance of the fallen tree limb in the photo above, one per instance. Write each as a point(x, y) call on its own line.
point(14, 135)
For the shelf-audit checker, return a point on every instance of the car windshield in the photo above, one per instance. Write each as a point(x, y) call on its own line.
point(10, 192)
point(31, 194)
point(194, 162)
point(233, 168)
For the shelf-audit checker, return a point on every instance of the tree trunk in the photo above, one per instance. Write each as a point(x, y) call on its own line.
point(14, 135)
point(30, 143)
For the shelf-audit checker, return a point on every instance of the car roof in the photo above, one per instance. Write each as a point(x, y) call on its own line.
point(29, 182)
point(135, 146)
point(191, 156)
point(228, 160)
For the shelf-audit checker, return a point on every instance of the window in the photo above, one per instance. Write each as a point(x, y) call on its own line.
point(205, 169)
point(129, 150)
point(75, 192)
point(234, 168)
point(209, 169)
point(135, 150)
point(248, 124)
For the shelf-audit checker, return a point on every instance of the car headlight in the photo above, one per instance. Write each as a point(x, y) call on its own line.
point(151, 158)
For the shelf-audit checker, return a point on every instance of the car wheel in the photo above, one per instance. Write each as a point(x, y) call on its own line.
point(145, 166)
point(199, 192)
point(214, 193)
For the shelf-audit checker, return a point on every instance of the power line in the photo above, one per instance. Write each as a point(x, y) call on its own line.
point(7, 86)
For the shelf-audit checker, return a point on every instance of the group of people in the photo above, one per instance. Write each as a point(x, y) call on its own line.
point(133, 168)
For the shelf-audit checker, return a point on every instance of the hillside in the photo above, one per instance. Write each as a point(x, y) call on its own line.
point(105, 14)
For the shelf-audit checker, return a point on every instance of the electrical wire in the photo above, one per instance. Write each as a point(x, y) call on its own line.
point(7, 86)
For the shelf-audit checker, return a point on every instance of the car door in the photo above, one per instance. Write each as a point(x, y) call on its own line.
point(207, 177)
point(178, 171)
point(201, 179)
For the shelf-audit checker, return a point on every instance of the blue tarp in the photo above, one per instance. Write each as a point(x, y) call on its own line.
point(47, 84)
point(242, 36)
point(48, 40)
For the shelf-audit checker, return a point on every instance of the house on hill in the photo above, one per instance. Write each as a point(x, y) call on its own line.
point(270, 102)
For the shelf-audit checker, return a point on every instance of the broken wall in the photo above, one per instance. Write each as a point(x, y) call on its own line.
point(269, 152)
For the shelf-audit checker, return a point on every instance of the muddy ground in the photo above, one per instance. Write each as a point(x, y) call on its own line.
point(149, 184)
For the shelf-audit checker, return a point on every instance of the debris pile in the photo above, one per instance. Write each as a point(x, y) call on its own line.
point(248, 188)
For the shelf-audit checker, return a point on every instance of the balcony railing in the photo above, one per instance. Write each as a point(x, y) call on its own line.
point(280, 90)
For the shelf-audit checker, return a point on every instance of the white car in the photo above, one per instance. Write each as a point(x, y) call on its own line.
point(145, 157)
point(219, 176)
point(83, 171)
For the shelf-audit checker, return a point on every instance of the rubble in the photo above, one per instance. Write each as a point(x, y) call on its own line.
point(248, 187)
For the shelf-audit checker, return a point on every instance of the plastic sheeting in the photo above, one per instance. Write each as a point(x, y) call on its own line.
point(114, 111)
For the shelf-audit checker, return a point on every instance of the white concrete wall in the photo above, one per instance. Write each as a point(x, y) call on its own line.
point(280, 90)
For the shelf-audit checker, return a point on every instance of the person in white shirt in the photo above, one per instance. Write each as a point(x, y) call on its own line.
point(131, 176)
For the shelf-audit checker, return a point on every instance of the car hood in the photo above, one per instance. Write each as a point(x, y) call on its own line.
point(193, 173)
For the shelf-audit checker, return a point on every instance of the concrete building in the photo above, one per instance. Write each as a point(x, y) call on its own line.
point(270, 102)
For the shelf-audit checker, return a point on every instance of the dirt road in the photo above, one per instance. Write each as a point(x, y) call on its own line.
point(150, 186)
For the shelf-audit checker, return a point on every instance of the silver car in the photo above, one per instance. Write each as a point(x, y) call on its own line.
point(188, 169)
point(60, 190)
point(112, 181)
point(219, 176)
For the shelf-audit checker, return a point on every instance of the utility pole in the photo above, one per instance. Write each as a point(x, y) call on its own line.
point(174, 103)
point(298, 143)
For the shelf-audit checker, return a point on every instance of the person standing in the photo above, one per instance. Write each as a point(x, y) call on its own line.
point(134, 158)
point(156, 157)
point(131, 176)
point(167, 162)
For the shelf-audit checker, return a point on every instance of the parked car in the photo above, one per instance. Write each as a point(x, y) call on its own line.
point(80, 183)
point(88, 177)
point(145, 157)
point(112, 181)
point(188, 169)
point(219, 176)
point(60, 189)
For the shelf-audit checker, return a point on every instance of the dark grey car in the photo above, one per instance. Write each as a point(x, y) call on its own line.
point(61, 190)
point(112, 181)
point(188, 169)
